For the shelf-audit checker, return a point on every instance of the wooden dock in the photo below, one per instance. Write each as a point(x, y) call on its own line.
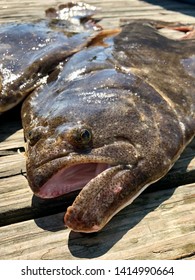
point(159, 224)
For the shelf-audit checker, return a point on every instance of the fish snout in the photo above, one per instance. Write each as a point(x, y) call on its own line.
point(73, 219)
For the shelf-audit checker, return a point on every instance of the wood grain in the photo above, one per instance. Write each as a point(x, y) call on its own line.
point(160, 224)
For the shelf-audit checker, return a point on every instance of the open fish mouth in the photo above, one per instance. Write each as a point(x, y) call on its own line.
point(70, 179)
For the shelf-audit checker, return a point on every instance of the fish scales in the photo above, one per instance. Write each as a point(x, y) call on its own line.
point(114, 119)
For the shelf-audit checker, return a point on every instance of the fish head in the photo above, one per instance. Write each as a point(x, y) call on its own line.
point(76, 139)
point(83, 139)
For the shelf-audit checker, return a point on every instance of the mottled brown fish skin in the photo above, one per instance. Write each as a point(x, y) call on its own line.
point(31, 51)
point(135, 94)
point(169, 67)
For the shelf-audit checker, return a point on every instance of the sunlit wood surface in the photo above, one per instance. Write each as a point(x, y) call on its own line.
point(160, 224)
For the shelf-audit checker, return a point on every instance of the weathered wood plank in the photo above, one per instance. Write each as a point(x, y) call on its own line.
point(111, 10)
point(160, 225)
point(13, 141)
point(12, 165)
point(166, 216)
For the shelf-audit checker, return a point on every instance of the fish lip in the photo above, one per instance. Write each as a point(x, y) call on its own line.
point(93, 155)
point(73, 157)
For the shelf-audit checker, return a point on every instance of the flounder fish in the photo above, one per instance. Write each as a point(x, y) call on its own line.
point(112, 120)
point(31, 51)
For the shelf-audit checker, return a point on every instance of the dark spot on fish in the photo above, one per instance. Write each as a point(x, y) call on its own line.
point(93, 58)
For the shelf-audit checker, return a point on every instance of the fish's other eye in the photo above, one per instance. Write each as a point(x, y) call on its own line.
point(34, 135)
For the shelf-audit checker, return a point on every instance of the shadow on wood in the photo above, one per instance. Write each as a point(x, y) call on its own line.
point(182, 6)
point(45, 207)
point(97, 244)
point(10, 122)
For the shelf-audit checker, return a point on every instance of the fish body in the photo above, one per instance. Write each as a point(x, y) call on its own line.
point(108, 112)
point(114, 121)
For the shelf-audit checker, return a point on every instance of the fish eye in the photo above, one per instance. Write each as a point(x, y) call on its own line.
point(34, 135)
point(85, 136)
point(80, 137)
